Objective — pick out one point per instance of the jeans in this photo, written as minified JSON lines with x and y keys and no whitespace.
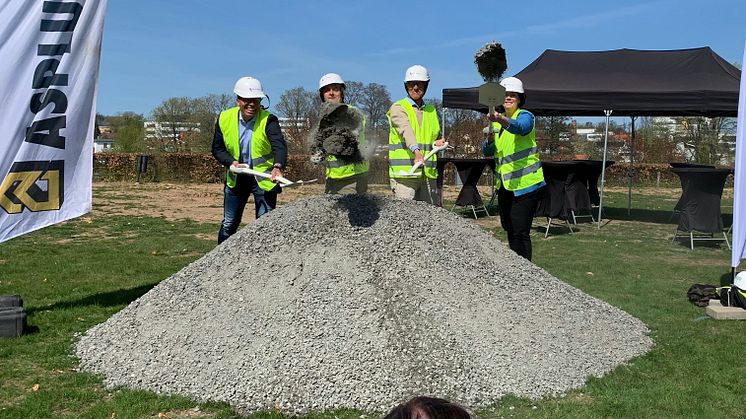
{"x":516,"y":216}
{"x":234,"y":202}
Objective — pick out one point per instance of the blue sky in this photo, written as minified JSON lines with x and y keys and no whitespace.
{"x":156,"y":49}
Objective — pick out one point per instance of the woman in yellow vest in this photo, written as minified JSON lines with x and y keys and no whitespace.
{"x":248,"y":134}
{"x":413,"y":130}
{"x":520,"y":179}
{"x":343,"y":177}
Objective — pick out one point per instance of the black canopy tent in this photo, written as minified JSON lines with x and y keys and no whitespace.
{"x":625,"y":82}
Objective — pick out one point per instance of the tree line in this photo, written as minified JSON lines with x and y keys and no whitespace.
{"x":187,"y":125}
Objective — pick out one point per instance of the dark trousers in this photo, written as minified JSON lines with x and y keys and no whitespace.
{"x":516,"y":215}
{"x":234,"y":202}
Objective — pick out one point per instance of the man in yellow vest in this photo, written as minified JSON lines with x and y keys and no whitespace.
{"x":342,"y":177}
{"x":520,"y":178}
{"x":413,"y":130}
{"x":248,"y":135}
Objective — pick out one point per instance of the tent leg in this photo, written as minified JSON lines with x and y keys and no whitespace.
{"x":691,"y":239}
{"x":632,"y":168}
{"x":607,"y":112}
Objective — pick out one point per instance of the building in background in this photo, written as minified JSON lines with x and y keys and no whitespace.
{"x":102,"y":144}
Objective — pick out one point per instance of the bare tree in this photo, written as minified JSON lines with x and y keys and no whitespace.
{"x":354,"y":91}
{"x":463,"y":129}
{"x":206,"y":111}
{"x":174,"y":123}
{"x":556,"y":137}
{"x":375,"y":101}
{"x":703,"y":138}
{"x":656,"y":143}
{"x":300,"y":108}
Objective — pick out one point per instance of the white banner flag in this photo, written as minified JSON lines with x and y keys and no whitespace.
{"x":49,"y":52}
{"x":739,"y":183}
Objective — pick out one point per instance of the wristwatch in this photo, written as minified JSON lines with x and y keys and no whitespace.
{"x":277,"y":166}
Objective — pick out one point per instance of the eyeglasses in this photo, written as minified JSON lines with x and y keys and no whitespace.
{"x":412,"y":84}
{"x":254,"y":100}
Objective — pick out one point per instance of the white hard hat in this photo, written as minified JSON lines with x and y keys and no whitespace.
{"x":512,"y":84}
{"x":416,"y":73}
{"x":248,"y":88}
{"x":740,"y":280}
{"x":330,"y":78}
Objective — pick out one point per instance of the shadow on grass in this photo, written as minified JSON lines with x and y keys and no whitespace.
{"x":652,"y":216}
{"x":642,"y":215}
{"x":104,"y":299}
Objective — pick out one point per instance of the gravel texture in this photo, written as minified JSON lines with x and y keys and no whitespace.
{"x":360,"y":301}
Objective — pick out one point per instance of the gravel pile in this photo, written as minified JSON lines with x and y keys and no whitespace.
{"x":360,"y":302}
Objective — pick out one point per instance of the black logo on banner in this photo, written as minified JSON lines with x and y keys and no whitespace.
{"x":36,"y":185}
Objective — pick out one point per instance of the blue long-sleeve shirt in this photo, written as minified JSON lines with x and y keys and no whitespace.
{"x":521,"y":125}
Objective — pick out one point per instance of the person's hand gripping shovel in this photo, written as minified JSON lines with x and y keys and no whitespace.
{"x":284,"y":182}
{"x":411,"y":172}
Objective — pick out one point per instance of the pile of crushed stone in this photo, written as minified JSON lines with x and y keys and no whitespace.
{"x":359,"y":301}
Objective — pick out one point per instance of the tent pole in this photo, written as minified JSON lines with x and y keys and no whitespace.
{"x":631,"y":168}
{"x":607,"y":112}
{"x":443,"y":120}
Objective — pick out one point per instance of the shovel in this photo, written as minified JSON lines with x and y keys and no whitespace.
{"x":284,"y":182}
{"x":418,"y":164}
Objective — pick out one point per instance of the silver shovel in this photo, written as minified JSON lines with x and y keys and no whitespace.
{"x":284,"y":182}
{"x":417,"y":165}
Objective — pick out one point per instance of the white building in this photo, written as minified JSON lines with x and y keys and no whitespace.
{"x":293,"y":122}
{"x":155,"y":130}
{"x":102,"y":144}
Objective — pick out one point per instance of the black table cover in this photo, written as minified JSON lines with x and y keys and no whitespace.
{"x":702,"y":189}
{"x":567,"y":188}
{"x":469,"y":171}
{"x":590,"y":171}
{"x":676,"y":165}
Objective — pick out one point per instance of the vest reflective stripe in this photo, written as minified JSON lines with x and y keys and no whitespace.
{"x":518,"y":159}
{"x":401,"y":159}
{"x":262,"y":157}
{"x":339,"y":169}
{"x":521,"y":172}
{"x":518,"y":155}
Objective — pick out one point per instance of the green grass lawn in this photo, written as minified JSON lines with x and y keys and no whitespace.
{"x":79,"y":273}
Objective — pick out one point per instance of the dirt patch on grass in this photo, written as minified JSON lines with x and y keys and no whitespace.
{"x":201,"y":202}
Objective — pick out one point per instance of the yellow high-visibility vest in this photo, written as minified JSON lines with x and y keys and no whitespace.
{"x":262,"y":158}
{"x":401,"y":158}
{"x":516,"y":158}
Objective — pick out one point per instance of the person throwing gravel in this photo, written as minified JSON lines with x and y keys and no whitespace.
{"x":520,"y":179}
{"x":413,"y":130}
{"x":248,"y":135}
{"x":343,"y":175}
